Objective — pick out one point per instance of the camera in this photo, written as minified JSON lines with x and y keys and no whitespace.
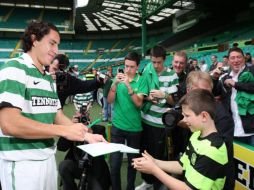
{"x":224,"y":69}
{"x":61,"y":76}
{"x":120,"y":70}
{"x":84,"y":117}
{"x":61,"y":80}
{"x":171,"y":118}
{"x":101,"y":75}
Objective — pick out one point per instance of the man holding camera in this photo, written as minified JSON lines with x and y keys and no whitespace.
{"x":76,"y":162}
{"x":162,"y":83}
{"x":68,"y":84}
{"x":71,"y":85}
{"x":235,"y":88}
{"x":127,"y":94}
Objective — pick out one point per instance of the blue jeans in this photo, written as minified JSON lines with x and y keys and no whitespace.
{"x":133,"y":140}
{"x":107,"y":109}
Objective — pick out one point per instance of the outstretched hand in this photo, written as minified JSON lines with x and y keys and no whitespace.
{"x":145,"y":164}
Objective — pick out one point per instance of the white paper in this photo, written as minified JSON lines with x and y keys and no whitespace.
{"x":101,"y":148}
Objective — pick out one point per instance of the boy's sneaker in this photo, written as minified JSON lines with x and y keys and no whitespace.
{"x":144,"y":186}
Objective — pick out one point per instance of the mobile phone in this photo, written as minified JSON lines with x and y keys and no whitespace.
{"x":120,"y":70}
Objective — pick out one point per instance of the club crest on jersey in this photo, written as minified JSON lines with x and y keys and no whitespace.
{"x":43,"y":101}
{"x":193,"y":158}
{"x":165,"y":84}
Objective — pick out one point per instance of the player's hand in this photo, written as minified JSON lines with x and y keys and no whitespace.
{"x":75,"y":132}
{"x":94,"y":138}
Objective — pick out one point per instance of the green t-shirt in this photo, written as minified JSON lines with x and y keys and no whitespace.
{"x":126,"y":115}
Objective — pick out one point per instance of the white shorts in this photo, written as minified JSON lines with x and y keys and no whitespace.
{"x":28,"y":175}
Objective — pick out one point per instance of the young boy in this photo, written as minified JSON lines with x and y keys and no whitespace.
{"x":205,"y":160}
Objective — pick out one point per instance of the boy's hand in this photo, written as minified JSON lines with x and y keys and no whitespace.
{"x":145,"y":164}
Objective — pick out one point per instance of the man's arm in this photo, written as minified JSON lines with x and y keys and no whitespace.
{"x":82,"y":86}
{"x":62,"y":119}
{"x":136,"y":98}
{"x":13,"y":123}
{"x":112,"y":93}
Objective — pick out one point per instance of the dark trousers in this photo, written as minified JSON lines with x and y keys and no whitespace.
{"x":69,"y":171}
{"x":153,"y":140}
{"x":98,"y":177}
{"x":133,"y":140}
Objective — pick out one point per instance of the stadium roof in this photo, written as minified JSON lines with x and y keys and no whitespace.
{"x":115,"y":15}
{"x":48,"y":4}
{"x":109,"y":15}
{"x":102,"y":17}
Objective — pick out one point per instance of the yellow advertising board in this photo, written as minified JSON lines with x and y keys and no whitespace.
{"x":244,"y":166}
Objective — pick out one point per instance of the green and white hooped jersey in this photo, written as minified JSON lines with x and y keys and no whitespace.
{"x":80,"y":99}
{"x":25,"y":87}
{"x":168,"y":81}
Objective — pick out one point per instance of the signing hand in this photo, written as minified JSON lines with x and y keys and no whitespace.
{"x":94,"y":138}
{"x":75,"y":132}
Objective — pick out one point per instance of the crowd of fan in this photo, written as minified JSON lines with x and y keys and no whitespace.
{"x":216,"y":104}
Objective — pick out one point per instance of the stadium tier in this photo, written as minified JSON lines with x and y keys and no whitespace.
{"x":13,"y":18}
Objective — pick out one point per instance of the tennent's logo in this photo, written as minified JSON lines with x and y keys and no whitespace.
{"x":43,"y":101}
